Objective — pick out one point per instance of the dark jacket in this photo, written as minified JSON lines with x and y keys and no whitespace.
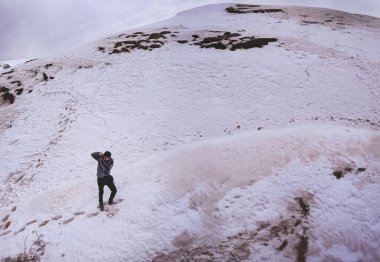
{"x":104,"y":166}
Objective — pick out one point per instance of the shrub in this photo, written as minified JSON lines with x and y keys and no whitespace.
{"x":338,"y":174}
{"x":156,"y":36}
{"x":217,"y":45}
{"x":3,"y":89}
{"x":155,"y":46}
{"x":16,"y":82}
{"x":46,"y":78}
{"x":256,"y":42}
{"x":33,"y":254}
{"x":9,"y":97}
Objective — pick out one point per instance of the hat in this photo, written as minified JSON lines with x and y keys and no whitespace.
{"x":107,"y":154}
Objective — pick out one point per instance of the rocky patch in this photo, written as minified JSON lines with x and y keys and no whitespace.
{"x":215,"y":39}
{"x":232,"y":41}
{"x":342,"y":172}
{"x":139,"y":41}
{"x":246,"y":9}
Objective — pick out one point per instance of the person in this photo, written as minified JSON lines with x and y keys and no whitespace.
{"x":105,"y":164}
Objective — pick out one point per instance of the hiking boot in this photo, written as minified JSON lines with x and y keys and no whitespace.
{"x":110,"y":201}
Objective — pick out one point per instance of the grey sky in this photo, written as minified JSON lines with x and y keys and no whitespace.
{"x":35,"y":28}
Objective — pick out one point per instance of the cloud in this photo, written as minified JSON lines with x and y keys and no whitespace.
{"x":35,"y":28}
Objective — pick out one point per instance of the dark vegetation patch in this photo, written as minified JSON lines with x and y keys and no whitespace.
{"x":339,"y":173}
{"x":304,"y":206}
{"x":283,"y":245}
{"x":302,"y":248}
{"x":246,"y":9}
{"x":7,"y":96}
{"x":3,"y":89}
{"x":331,"y":21}
{"x":360,"y":169}
{"x":231,"y":41}
{"x":19,"y":91}
{"x":253,"y":42}
{"x":353,"y":121}
{"x":16,"y":82}
{"x":9,"y":72}
{"x":305,"y":22}
{"x":215,"y":39}
{"x":30,"y":61}
{"x":44,"y":75}
{"x":139,"y":41}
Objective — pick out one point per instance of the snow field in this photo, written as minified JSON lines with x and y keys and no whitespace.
{"x":215,"y":151}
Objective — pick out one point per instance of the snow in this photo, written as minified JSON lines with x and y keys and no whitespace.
{"x":38,"y":28}
{"x":214,"y":150}
{"x":11,"y":63}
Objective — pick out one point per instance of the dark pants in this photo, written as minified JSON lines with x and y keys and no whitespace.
{"x":106,"y":181}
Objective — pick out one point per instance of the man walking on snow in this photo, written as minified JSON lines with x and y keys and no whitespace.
{"x":105,"y":163}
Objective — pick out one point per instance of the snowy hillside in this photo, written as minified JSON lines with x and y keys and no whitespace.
{"x":239,"y":133}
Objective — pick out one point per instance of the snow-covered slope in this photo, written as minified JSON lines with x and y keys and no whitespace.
{"x":255,"y":154}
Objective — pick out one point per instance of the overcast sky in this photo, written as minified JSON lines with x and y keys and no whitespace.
{"x":36,"y":28}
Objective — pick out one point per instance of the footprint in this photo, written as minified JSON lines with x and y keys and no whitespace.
{"x":111,"y":212}
{"x":7,"y":225}
{"x":78,"y":213}
{"x":14,"y":209}
{"x":68,"y":220}
{"x":93,"y":214}
{"x":56,"y":217}
{"x":31,"y":222}
{"x":20,"y":230}
{"x":6,"y":233}
{"x":43,"y":223}
{"x":5,"y":218}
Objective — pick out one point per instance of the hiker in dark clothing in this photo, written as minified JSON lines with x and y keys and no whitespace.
{"x":105,"y":163}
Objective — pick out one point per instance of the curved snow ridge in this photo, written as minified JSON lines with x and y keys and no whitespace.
{"x":196,"y":193}
{"x":245,"y":158}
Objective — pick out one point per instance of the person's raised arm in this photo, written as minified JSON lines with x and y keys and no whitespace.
{"x":96,"y":155}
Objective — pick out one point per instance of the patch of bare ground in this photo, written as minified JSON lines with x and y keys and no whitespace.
{"x":340,"y":173}
{"x":231,"y":41}
{"x":247,"y":9}
{"x":213,"y":39}
{"x":138,"y":41}
{"x":287,"y":234}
